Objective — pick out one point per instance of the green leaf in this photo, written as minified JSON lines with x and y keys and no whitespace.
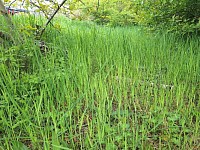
{"x":55,"y":141}
{"x":71,"y":7}
{"x":110,"y":146}
{"x":19,"y":145}
{"x":176,"y":141}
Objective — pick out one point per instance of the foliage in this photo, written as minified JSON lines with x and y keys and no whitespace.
{"x":113,"y":13}
{"x":18,"y":51}
{"x":181,"y":16}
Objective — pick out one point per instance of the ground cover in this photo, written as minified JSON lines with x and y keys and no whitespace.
{"x":99,"y":88}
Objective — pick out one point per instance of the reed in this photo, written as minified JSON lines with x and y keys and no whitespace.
{"x":101,"y":88}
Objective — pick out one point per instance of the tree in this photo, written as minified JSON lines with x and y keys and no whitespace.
{"x":2,"y":8}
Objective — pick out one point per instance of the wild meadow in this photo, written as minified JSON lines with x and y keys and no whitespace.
{"x":98,"y":87}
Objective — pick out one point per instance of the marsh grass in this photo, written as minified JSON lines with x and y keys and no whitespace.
{"x":100,"y":88}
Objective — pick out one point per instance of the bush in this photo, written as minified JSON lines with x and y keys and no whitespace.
{"x":175,"y":16}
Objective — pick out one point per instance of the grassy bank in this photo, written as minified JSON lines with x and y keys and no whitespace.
{"x":100,"y":88}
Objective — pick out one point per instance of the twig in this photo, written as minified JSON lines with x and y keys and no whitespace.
{"x":40,"y":9}
{"x":63,"y":2}
{"x":11,"y":4}
{"x":23,"y":2}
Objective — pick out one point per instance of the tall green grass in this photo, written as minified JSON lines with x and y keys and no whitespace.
{"x":100,"y":88}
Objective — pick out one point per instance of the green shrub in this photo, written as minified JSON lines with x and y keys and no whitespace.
{"x":181,"y":16}
{"x":175,"y":16}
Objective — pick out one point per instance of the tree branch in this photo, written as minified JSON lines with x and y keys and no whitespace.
{"x":59,"y":6}
{"x":11,"y":3}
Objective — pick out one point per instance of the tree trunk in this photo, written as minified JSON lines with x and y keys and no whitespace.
{"x":9,"y":23}
{"x":2,"y":8}
{"x":4,"y":12}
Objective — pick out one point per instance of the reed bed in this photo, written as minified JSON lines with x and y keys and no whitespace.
{"x":100,"y":88}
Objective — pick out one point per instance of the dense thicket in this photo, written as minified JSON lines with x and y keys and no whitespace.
{"x":182,"y":16}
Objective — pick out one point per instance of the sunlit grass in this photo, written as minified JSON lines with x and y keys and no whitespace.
{"x":100,"y":88}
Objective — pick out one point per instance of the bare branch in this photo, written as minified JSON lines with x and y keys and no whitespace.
{"x":63,"y":2}
{"x":40,"y":9}
{"x":11,"y":3}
